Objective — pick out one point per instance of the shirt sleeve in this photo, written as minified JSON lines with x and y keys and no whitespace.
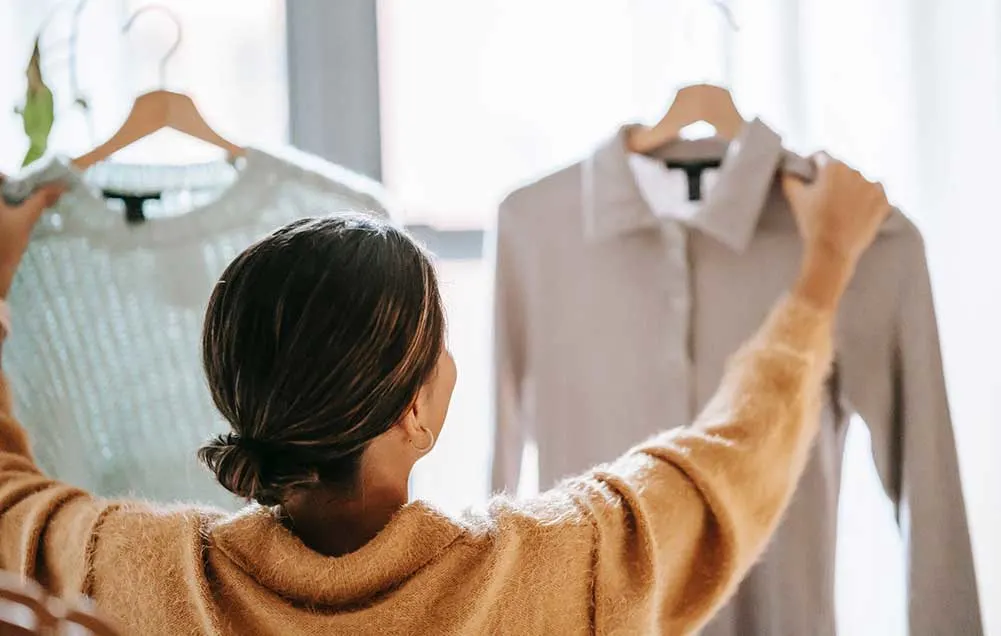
{"x":930,"y":507}
{"x":509,"y":352}
{"x":681,"y":518}
{"x":45,"y":526}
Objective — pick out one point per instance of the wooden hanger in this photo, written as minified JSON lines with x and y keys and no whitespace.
{"x":698,"y":102}
{"x":713,"y":105}
{"x":157,"y":110}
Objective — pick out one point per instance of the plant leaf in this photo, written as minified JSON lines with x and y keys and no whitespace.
{"x":38,"y":114}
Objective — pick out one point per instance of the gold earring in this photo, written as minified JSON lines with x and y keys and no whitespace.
{"x":424,"y":449}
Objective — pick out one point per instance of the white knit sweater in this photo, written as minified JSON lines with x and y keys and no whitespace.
{"x":107,"y":370}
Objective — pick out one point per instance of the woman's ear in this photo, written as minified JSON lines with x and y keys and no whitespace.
{"x":411,"y":420}
{"x":415,"y":428}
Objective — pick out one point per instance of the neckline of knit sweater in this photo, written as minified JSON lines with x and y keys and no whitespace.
{"x":265,"y":549}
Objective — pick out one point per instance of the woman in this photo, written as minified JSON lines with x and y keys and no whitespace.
{"x":324,"y":348}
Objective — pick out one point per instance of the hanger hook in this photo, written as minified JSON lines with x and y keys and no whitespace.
{"x":56,"y":10}
{"x":71,"y":43}
{"x":724,"y":9}
{"x":179,"y":34}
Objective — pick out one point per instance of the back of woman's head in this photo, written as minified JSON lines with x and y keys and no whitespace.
{"x":317,"y":340}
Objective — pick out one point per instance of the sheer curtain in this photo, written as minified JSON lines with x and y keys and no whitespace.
{"x":907,"y":90}
{"x":910,"y":91}
{"x":478,"y":96}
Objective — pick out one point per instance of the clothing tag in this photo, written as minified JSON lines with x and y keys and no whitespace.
{"x":693,"y":171}
{"x":666,"y":191}
{"x":133,"y":203}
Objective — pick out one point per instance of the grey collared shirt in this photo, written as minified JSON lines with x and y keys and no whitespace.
{"x":612,"y":323}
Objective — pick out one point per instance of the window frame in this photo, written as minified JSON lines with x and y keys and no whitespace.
{"x":334,"y":108}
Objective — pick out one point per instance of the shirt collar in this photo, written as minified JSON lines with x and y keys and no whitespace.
{"x":613,"y":204}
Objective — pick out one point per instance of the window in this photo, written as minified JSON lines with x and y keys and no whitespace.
{"x":231,"y":59}
{"x":457,"y":474}
{"x":515,"y":88}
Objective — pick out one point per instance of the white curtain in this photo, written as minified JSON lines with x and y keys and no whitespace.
{"x":907,"y":90}
{"x":910,"y":91}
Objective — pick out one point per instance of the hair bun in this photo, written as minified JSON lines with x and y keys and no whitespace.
{"x":238,"y":464}
{"x":261,"y":471}
{"x":252,"y":447}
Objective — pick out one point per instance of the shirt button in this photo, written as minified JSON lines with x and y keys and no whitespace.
{"x":677,"y":257}
{"x":679,"y":361}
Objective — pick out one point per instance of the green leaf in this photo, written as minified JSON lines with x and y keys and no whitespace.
{"x":38,"y":113}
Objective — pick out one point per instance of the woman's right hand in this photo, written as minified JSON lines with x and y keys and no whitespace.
{"x":838,"y":216}
{"x":16,"y":223}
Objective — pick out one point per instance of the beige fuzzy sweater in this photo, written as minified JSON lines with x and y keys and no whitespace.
{"x":652,"y":543}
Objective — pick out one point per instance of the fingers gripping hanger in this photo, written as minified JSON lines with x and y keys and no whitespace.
{"x":159,"y":109}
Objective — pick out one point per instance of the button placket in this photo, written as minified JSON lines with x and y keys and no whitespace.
{"x":677,"y":333}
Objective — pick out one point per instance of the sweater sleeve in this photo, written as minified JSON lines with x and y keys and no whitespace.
{"x":681,"y":518}
{"x":45,"y":526}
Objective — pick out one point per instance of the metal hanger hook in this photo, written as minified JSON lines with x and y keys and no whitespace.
{"x":724,"y":8}
{"x":179,"y":34}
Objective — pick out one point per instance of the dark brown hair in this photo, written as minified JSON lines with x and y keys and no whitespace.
{"x":317,"y":339}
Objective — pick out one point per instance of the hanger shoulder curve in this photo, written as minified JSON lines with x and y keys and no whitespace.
{"x":698,"y":102}
{"x":183,"y":115}
{"x":155,"y":111}
{"x":148,"y":115}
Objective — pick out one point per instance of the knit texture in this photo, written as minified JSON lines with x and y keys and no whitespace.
{"x":108,"y":375}
{"x":651,"y":543}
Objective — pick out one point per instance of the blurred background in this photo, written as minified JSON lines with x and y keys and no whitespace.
{"x":453,"y":103}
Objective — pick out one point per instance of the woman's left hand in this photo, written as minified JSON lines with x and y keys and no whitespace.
{"x":16,"y":223}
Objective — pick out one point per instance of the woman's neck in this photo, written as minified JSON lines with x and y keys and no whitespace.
{"x":336,"y":528}
{"x":333,"y":522}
